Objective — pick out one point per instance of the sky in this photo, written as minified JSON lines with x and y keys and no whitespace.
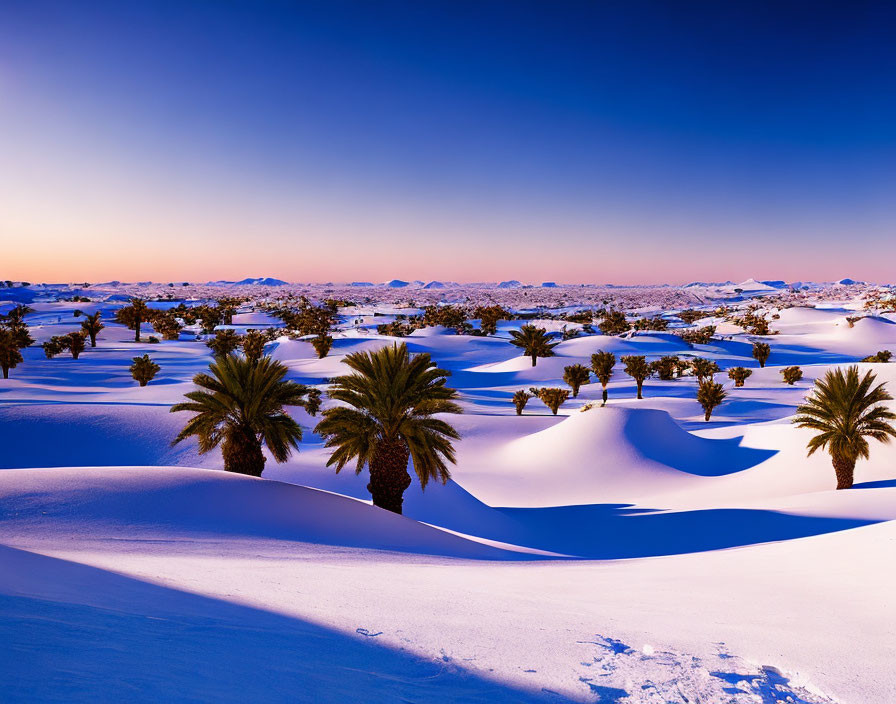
{"x":621,"y":142}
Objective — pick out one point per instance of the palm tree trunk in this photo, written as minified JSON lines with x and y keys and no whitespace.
{"x":137,"y":330}
{"x":389,"y":474}
{"x":242,"y":453}
{"x":604,"y":396}
{"x":534,"y":358}
{"x":845,"y":470}
{"x":707,"y":414}
{"x":640,"y":384}
{"x":5,"y":372}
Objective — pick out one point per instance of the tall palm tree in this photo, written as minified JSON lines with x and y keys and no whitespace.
{"x":602,"y":364}
{"x":576,"y":375}
{"x":845,"y":410}
{"x":392,"y":399}
{"x":133,"y":316}
{"x":91,"y":326}
{"x":241,"y":404}
{"x":534,"y":342}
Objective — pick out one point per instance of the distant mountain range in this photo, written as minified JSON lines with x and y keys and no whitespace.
{"x":259,"y":281}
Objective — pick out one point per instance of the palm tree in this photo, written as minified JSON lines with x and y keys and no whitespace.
{"x":10,"y":354}
{"x":223,"y":343}
{"x":709,"y":395}
{"x":761,"y":352}
{"x":553,"y":398}
{"x":845,"y":410}
{"x":637,"y":368}
{"x":241,"y":404}
{"x":53,"y":346}
{"x":91,"y":326}
{"x":392,"y":401}
{"x":144,"y":369}
{"x":602,"y":364}
{"x":133,"y":316}
{"x":704,"y":368}
{"x":520,"y":399}
{"x":576,"y":375}
{"x":739,"y":375}
{"x":313,"y":401}
{"x":792,"y":375}
{"x":534,"y":342}
{"x":75,"y":342}
{"x":322,"y":344}
{"x":665,"y":367}
{"x":166,"y":325}
{"x":253,"y":344}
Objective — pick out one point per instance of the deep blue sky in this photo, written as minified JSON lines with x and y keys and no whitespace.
{"x":616,"y":141}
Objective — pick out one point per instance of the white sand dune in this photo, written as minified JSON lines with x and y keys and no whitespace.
{"x":633,"y":553}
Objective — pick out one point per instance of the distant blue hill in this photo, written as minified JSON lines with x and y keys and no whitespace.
{"x":265,"y":281}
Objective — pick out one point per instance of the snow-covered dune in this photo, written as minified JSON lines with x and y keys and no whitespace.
{"x":101,"y":503}
{"x":605,"y":455}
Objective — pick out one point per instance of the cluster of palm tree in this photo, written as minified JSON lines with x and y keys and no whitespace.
{"x":387,"y":417}
{"x":73,"y":342}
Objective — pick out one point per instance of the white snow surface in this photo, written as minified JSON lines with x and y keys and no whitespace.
{"x":630,"y":554}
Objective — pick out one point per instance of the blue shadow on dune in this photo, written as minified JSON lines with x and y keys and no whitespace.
{"x":618,"y":531}
{"x":613,"y":531}
{"x":141,"y":642}
{"x":880,"y":484}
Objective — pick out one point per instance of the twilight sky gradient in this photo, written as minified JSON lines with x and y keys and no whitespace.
{"x":315,"y":141}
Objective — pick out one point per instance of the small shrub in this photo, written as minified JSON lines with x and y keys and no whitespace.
{"x":739,"y":375}
{"x":881,"y":357}
{"x":792,"y":375}
{"x":761,"y":352}
{"x":520,"y":399}
{"x":700,"y":336}
{"x":709,"y":395}
{"x":144,"y":369}
{"x":553,"y":398}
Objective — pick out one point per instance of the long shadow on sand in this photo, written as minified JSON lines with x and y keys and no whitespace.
{"x":614,"y":531}
{"x":107,"y":637}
